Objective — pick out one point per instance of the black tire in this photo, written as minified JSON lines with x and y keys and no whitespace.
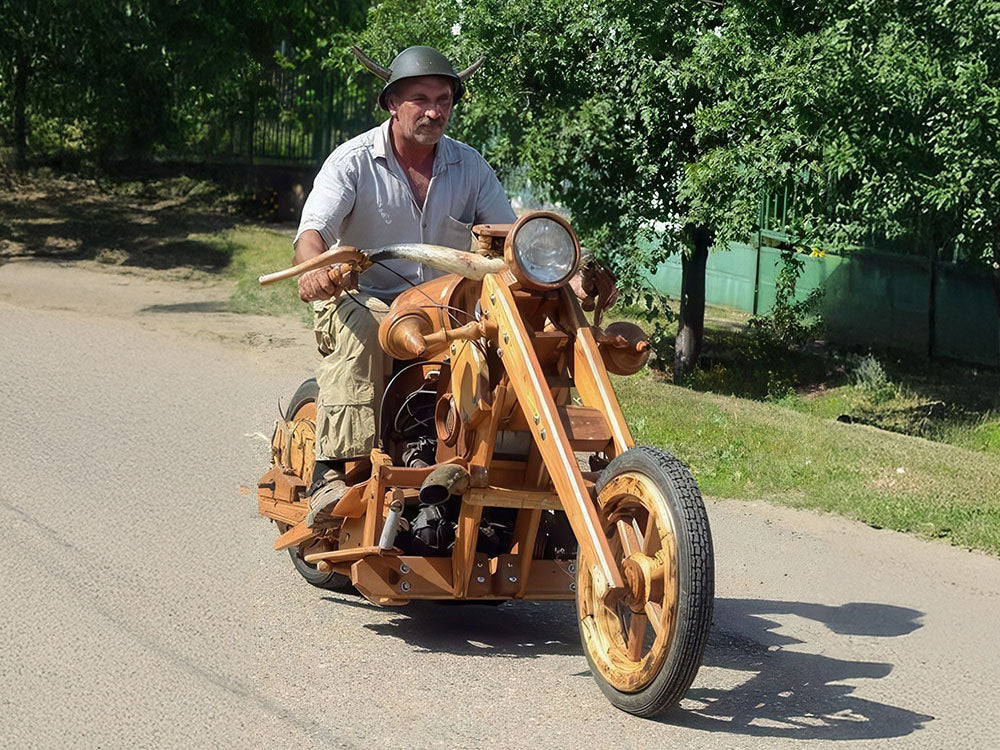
{"x":307,"y":393}
{"x":330,"y":581}
{"x":695,"y":588}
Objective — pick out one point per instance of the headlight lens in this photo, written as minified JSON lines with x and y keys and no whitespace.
{"x":545,"y":250}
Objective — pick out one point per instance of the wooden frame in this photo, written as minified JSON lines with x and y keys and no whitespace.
{"x":532,"y":396}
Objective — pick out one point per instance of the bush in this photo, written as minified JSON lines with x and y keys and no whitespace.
{"x":790,"y":323}
{"x":871,"y":378}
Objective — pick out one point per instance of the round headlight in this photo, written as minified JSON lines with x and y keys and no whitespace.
{"x":544,"y":250}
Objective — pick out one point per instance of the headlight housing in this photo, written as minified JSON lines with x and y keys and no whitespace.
{"x":542,"y":251}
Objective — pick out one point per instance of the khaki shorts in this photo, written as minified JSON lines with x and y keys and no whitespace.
{"x":351,"y":376}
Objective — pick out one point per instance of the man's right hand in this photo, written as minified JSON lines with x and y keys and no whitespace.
{"x":327,"y":283}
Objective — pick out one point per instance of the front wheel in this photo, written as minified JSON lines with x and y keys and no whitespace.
{"x":645,"y":643}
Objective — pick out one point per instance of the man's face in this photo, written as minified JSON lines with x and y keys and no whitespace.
{"x":421,"y":107}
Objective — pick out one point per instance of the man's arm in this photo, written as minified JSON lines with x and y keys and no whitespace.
{"x":329,"y":203}
{"x":309,"y":244}
{"x":322,"y":283}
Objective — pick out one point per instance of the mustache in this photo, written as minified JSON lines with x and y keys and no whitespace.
{"x":426,"y":121}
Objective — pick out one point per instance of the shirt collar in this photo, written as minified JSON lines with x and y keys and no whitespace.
{"x":381,"y":144}
{"x":447,"y":153}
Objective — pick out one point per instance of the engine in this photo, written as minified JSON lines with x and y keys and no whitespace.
{"x":420,"y":415}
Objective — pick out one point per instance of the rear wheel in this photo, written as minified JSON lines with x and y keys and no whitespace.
{"x":645,"y":643}
{"x":330,"y":581}
{"x":302,"y":409}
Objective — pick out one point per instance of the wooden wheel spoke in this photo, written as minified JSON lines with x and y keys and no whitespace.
{"x":636,"y":635}
{"x":650,"y":536}
{"x":655,"y":612}
{"x":611,"y":613}
{"x":629,"y":538}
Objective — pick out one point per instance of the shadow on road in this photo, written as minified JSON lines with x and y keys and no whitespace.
{"x":793,"y":694}
{"x":790,"y":694}
{"x":525,"y":630}
{"x":189,"y":307}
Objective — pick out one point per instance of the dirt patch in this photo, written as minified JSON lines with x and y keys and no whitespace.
{"x":153,"y":299}
{"x":144,"y":226}
{"x":118,"y":249}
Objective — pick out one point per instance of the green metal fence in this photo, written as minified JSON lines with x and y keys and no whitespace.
{"x":290,"y":119}
{"x":869,"y":298}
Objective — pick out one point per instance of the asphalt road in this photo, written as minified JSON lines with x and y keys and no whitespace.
{"x":142,"y":605}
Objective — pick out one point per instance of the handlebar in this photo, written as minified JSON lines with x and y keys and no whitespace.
{"x":447,"y":259}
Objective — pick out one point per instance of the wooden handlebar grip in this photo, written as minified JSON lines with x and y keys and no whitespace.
{"x":331,"y":256}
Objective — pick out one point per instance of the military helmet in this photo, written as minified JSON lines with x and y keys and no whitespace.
{"x":413,"y":62}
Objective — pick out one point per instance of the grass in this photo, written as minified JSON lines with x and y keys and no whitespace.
{"x":251,"y":251}
{"x":943,"y":401}
{"x":739,"y":448}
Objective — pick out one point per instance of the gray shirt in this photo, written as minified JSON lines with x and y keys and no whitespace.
{"x":362,"y":198}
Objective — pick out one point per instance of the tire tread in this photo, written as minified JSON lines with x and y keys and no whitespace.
{"x":695,"y":617}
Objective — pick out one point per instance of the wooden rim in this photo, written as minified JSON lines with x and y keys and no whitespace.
{"x":629,"y":635}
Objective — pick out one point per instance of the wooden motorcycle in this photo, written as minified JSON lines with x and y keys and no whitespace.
{"x":475,"y":492}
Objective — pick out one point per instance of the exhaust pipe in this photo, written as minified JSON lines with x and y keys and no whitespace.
{"x":391,"y":526}
{"x":446,"y":480}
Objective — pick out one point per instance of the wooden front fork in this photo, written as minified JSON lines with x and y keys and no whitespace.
{"x":590,"y":376}
{"x":528,"y":382}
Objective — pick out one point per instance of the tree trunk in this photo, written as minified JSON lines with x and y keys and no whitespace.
{"x":691,"y":323}
{"x":21,"y":66}
{"x":932,"y":256}
{"x":995,"y":276}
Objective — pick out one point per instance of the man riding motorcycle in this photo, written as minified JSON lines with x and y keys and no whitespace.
{"x":404,"y":181}
{"x":401,"y":182}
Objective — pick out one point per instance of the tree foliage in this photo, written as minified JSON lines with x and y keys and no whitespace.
{"x":884,"y":117}
{"x":138,"y":77}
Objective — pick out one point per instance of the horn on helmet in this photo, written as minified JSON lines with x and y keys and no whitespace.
{"x":463,"y":76}
{"x":380,"y":70}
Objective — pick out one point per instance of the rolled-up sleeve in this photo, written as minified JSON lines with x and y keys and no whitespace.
{"x":492,"y":206}
{"x":331,"y":199}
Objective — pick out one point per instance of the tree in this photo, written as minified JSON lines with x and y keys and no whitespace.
{"x":608,"y":127}
{"x":136,"y":77}
{"x":38,"y":41}
{"x":883,"y":116}
{"x":586,"y":99}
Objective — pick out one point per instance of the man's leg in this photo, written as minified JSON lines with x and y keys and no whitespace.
{"x":351,"y":378}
